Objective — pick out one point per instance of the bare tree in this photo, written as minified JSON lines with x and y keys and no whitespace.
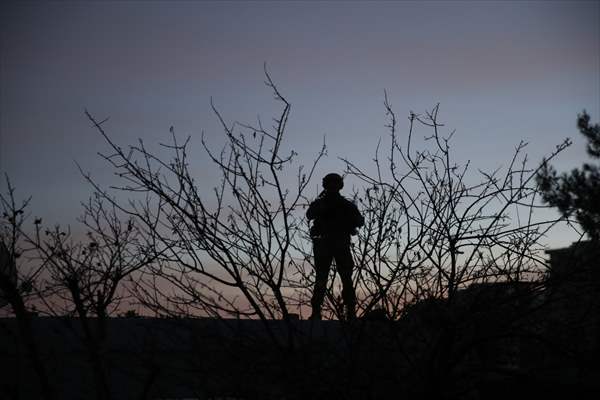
{"x":88,"y":278}
{"x":227,"y":255}
{"x":433,"y":227}
{"x":443,"y":244}
{"x":17,"y":280}
{"x":87,"y":275}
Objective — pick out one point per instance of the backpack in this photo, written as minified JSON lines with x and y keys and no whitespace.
{"x":336,"y":217}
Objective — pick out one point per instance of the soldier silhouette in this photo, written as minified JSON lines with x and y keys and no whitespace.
{"x":335,"y":220}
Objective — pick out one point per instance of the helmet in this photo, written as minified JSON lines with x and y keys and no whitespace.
{"x":333,"y":182}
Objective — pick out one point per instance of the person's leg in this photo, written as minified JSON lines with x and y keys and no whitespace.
{"x":323,"y":256}
{"x":345,"y":264}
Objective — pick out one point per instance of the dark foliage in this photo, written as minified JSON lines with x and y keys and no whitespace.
{"x":577,"y":193}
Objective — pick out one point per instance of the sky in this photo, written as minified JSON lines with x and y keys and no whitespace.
{"x":502,"y":72}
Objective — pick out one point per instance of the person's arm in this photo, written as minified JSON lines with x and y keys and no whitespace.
{"x":359,"y":220}
{"x":313,"y":210}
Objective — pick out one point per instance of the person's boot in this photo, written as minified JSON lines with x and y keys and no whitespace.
{"x":315,"y":316}
{"x":349,"y":304}
{"x":350,"y":313}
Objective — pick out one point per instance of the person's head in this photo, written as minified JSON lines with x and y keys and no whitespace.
{"x":333,"y":183}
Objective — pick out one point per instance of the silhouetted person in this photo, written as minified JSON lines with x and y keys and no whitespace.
{"x":335,"y":219}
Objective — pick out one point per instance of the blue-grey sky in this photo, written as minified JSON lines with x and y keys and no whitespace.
{"x":503,"y":72}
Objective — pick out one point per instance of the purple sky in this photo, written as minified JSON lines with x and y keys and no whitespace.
{"x":502,"y":71}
